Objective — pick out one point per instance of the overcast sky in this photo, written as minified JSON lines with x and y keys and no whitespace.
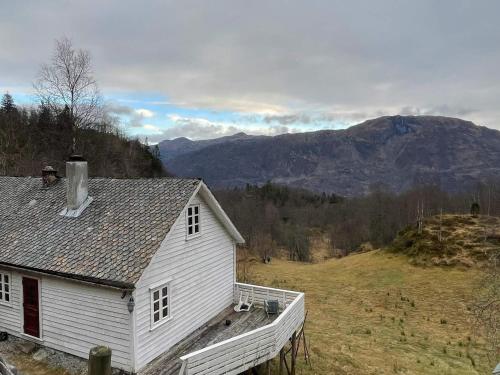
{"x":211,"y":68}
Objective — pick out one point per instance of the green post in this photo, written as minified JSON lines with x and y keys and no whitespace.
{"x":100,"y":361}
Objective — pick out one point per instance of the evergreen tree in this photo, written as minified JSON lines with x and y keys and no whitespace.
{"x":8,"y":105}
{"x":45,"y":118}
{"x":64,"y":119}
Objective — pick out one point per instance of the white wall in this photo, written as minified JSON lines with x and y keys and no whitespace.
{"x":10,"y":315}
{"x":202,"y":274}
{"x":75,"y":317}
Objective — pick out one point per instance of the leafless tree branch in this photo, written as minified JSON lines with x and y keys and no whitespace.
{"x":486,"y":308}
{"x":68,"y":81}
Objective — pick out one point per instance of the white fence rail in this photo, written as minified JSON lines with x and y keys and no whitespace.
{"x":6,"y":369}
{"x":250,"y":349}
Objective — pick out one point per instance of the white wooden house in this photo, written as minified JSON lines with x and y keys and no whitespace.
{"x":139,"y":265}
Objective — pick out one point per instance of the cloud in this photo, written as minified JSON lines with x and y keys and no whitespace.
{"x":265,"y":59}
{"x":146,"y":113}
{"x":440,"y":110}
{"x":124,"y":115}
{"x":152,"y":128}
{"x":200,"y":128}
{"x":288,"y":119}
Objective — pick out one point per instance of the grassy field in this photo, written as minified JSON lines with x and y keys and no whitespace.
{"x":375,"y":313}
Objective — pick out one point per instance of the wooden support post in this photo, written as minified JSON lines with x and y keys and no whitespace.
{"x":294,"y":353}
{"x":100,"y":361}
{"x":282,"y":361}
{"x":268,"y":367}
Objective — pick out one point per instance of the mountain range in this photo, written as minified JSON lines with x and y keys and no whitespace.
{"x":398,"y":151}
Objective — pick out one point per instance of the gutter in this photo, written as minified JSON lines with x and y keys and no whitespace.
{"x":120,"y":285}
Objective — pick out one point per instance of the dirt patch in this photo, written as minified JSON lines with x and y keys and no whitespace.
{"x":33,"y":359}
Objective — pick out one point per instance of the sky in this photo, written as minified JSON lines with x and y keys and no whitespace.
{"x":204,"y":69}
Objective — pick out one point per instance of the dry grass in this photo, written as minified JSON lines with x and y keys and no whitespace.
{"x":25,"y":364}
{"x":375,"y":313}
{"x":451,"y":240}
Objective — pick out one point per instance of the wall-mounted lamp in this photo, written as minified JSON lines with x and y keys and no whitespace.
{"x":131,"y":304}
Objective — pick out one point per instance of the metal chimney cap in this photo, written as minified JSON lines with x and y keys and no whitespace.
{"x":76,"y":158}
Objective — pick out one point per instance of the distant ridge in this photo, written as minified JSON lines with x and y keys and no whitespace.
{"x":398,"y":151}
{"x":170,"y":149}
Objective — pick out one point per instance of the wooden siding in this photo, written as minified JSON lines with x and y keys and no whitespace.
{"x":75,"y":317}
{"x":201,"y":275}
{"x":10,"y":314}
{"x":250,"y":349}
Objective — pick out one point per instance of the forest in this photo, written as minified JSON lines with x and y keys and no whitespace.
{"x":31,"y":139}
{"x":273,"y":217}
{"x":69,"y":117}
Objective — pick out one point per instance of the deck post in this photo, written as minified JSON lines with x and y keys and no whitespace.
{"x":99,"y":361}
{"x":294,"y":352}
{"x":282,"y":362}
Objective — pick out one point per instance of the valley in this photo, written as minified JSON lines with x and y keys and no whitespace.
{"x":376,"y":313}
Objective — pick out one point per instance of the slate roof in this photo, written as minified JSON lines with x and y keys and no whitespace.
{"x":112,"y":241}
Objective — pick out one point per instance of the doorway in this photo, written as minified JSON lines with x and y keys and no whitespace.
{"x":31,"y":308}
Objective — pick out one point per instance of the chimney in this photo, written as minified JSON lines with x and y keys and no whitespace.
{"x":49,"y":176}
{"x":77,"y":197}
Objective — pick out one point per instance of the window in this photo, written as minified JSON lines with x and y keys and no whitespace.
{"x":160,"y":304}
{"x":193,"y":220}
{"x":4,"y":287}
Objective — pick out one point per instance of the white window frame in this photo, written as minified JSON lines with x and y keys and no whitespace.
{"x":193,"y":224}
{"x":159,"y":288}
{"x":4,"y":275}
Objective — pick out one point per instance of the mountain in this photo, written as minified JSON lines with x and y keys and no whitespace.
{"x":170,"y":149}
{"x":398,"y":151}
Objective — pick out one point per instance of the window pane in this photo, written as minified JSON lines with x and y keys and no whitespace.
{"x":196,"y":210}
{"x":190,"y":220}
{"x":165,"y":312}
{"x":165,"y":302}
{"x":6,"y":298}
{"x":196,"y":219}
{"x":190,"y":211}
{"x":156,"y":295}
{"x":156,"y":306}
{"x":1,"y":296}
{"x":156,"y":316}
{"x":196,"y":228}
{"x":164,"y":291}
{"x":190,"y":230}
{"x":6,"y":288}
{"x":6,"y":279}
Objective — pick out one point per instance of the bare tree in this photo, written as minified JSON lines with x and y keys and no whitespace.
{"x":486,"y":308}
{"x":68,"y":82}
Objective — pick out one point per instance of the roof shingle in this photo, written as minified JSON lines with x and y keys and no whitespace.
{"x":111,"y":242}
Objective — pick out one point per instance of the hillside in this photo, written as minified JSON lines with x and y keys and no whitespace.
{"x":450,"y":240}
{"x":31,"y":140}
{"x":375,"y":313}
{"x":170,"y":149}
{"x":399,"y":151}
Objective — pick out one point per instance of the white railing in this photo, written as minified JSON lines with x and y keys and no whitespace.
{"x":250,"y":349}
{"x":6,"y":369}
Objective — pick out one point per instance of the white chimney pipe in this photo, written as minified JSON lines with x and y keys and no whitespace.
{"x":77,"y":186}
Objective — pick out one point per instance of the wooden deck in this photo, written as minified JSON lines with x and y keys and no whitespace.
{"x":213,"y":332}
